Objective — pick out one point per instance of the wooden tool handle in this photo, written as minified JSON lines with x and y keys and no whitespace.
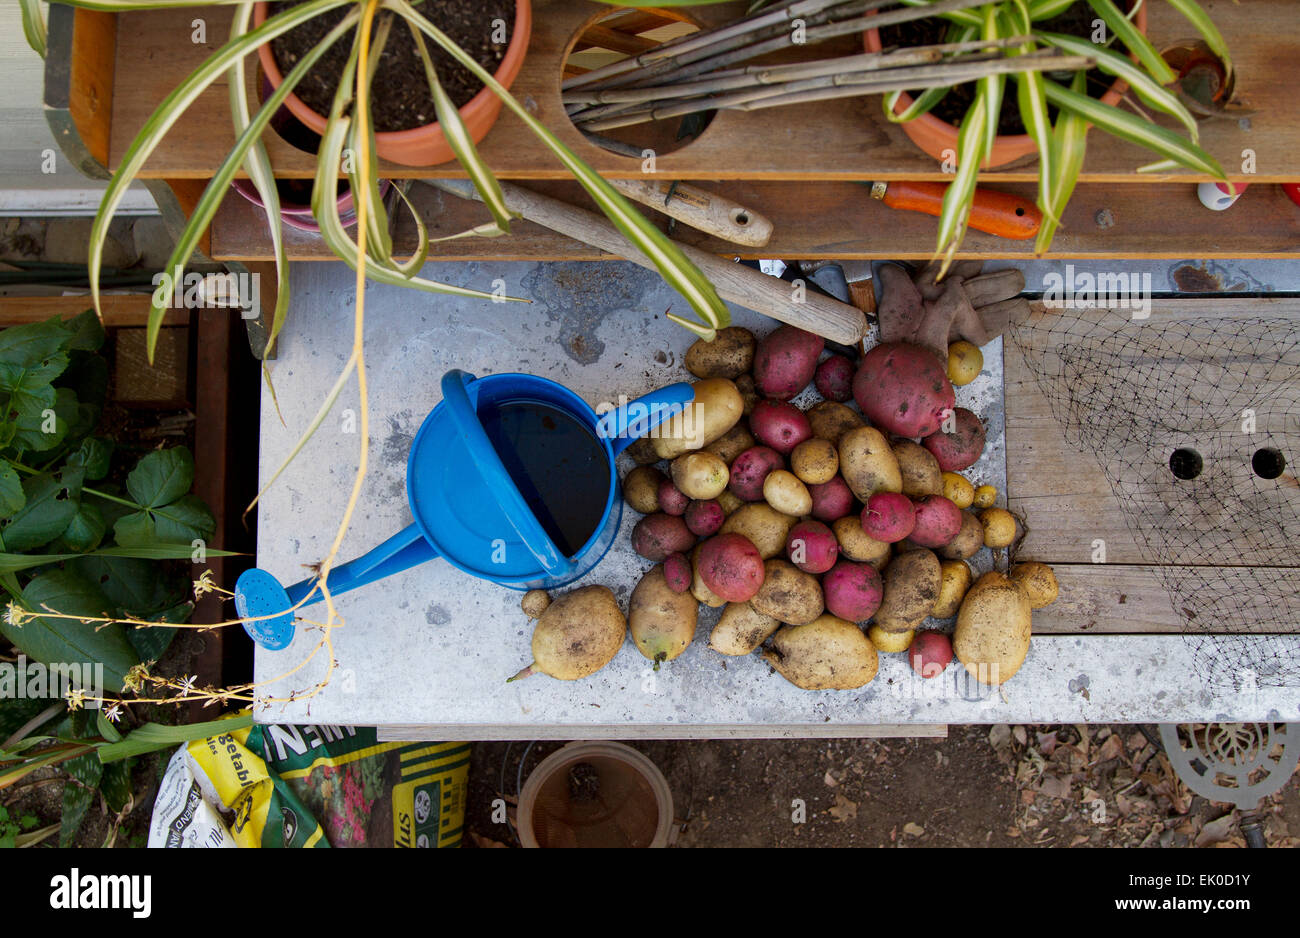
{"x":700,"y":209}
{"x":994,"y":212}
{"x":735,"y":283}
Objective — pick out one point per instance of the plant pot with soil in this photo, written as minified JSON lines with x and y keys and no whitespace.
{"x":1053,"y":106}
{"x":404,"y":132}
{"x":935,"y":131}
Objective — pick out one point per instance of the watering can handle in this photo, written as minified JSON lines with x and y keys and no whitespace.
{"x":625,"y":424}
{"x":455,"y":394}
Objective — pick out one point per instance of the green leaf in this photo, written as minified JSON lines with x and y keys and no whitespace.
{"x":52,"y":500}
{"x":1135,"y":129}
{"x":94,"y":455}
{"x":1133,"y":40}
{"x":31,"y":343}
{"x":179,"y":522}
{"x":69,"y":641}
{"x":86,"y":529}
{"x":116,"y":785}
{"x":12,"y":497}
{"x":154,"y":736}
{"x":33,"y":26}
{"x":1069,"y":144}
{"x":991,"y":86}
{"x":1112,"y":63}
{"x":133,"y":585}
{"x":78,"y":794}
{"x":106,"y":729}
{"x":27,"y":378}
{"x":13,"y":563}
{"x":1046,"y":9}
{"x":87,"y":378}
{"x":86,"y":332}
{"x":161,"y":477}
{"x":957,"y":198}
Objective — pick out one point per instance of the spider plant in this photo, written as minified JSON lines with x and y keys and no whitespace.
{"x":338,"y":141}
{"x":1061,"y":146}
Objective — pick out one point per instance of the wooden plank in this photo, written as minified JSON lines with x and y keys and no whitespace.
{"x":125,"y":309}
{"x":843,"y":139}
{"x":836,"y":220}
{"x":1124,"y":599}
{"x":1062,"y":492}
{"x":416,"y":732}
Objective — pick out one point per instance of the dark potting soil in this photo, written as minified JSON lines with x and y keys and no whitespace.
{"x":1076,"y":21}
{"x":401,"y":98}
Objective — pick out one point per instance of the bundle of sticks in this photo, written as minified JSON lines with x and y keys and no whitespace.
{"x":701,"y":71}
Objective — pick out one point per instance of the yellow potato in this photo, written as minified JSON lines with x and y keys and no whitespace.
{"x":534,"y":603}
{"x":815,"y":461}
{"x":741,"y":629}
{"x":993,"y":630}
{"x":641,"y":489}
{"x":868,"y":464}
{"x":784,"y":492}
{"x":729,"y":355}
{"x":729,"y":501}
{"x":830,"y":420}
{"x":732,"y":443}
{"x":715,"y":410}
{"x":985,"y":497}
{"x":828,"y":653}
{"x":857,"y":544}
{"x":700,"y":475}
{"x":919,"y":468}
{"x":764,"y":526}
{"x":965,"y":362}
{"x":958,"y":490}
{"x":578,"y":634}
{"x":954,"y":581}
{"x":890,"y":642}
{"x":788,"y":594}
{"x":999,"y":527}
{"x":662,"y":622}
{"x":1037,"y":581}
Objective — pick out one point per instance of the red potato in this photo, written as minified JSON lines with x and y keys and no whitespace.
{"x":780,"y":425}
{"x":672,"y":500}
{"x":938,"y":521}
{"x":731,"y":567}
{"x":904,"y":389}
{"x":812,"y":547}
{"x":831,"y":500}
{"x":704,"y":517}
{"x":961,"y":448}
{"x":930,"y":653}
{"x":785,"y":362}
{"x":658,"y":535}
{"x":834,"y":379}
{"x":677,"y":572}
{"x":889,"y":517}
{"x":853,"y":590}
{"x":750,"y":470}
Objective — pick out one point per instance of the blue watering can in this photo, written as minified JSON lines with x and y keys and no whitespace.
{"x":476,"y":478}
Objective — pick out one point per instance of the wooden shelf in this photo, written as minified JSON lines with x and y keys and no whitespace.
{"x":837,"y":220}
{"x":845,"y":139}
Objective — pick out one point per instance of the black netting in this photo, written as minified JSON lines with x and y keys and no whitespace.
{"x":1167,"y":408}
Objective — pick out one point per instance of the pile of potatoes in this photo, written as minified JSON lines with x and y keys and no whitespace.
{"x":806,"y":526}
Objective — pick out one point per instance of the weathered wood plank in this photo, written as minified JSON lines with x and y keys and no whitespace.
{"x":119,"y":309}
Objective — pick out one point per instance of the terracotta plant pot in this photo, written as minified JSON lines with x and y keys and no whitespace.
{"x":934,"y":136}
{"x":421,"y":146}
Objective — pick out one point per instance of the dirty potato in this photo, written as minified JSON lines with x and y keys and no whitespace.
{"x":868,"y":464}
{"x":1038,"y":582}
{"x":857,"y":544}
{"x":919,"y":469}
{"x":815,"y":461}
{"x":784,"y":492}
{"x":999,"y":527}
{"x":661,"y":620}
{"x":912,"y":582}
{"x":993,"y":630}
{"x":641,"y":489}
{"x":716,"y":408}
{"x":578,"y":634}
{"x":830,"y":421}
{"x":788,"y":594}
{"x":766,"y":528}
{"x":732,"y":443}
{"x":701,"y":476}
{"x":729,"y":355}
{"x":968,"y":541}
{"x":741,"y":629}
{"x":954,"y":581}
{"x":825,"y":654}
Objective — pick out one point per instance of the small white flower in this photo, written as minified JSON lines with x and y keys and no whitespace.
{"x":187,"y":685}
{"x":113,"y":713}
{"x":16,"y":615}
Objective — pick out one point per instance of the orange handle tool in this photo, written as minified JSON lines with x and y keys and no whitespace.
{"x":994,"y":212}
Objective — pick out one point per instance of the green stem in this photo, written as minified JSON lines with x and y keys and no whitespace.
{"x":86,"y":489}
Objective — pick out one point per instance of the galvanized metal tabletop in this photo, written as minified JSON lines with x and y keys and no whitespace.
{"x":425,"y":653}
